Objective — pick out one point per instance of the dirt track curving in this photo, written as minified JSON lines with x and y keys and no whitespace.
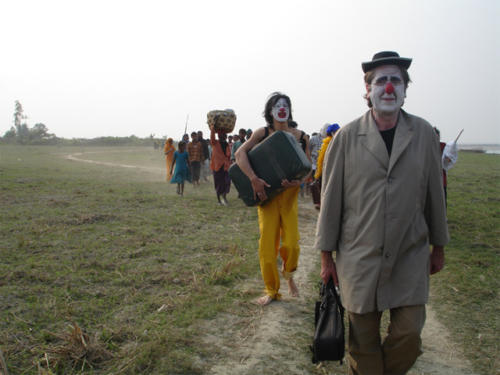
{"x":78,"y":157}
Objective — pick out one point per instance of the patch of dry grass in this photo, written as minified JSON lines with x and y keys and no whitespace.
{"x":74,"y":349}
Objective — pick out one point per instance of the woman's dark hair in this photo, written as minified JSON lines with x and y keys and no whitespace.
{"x":271,"y":101}
{"x":292,"y":124}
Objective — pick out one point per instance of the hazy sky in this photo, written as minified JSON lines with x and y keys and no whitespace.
{"x":117,"y":68}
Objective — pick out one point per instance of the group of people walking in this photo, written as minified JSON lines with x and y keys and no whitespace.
{"x":381,"y":228}
{"x":195,"y":160}
{"x":378,"y":185}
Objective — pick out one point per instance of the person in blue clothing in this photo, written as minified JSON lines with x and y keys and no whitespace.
{"x":181,"y":173}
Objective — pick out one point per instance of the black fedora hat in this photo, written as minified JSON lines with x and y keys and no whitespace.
{"x":386,"y":58}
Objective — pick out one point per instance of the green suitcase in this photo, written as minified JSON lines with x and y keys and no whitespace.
{"x":276,"y":158}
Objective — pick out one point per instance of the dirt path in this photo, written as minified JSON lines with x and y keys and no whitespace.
{"x":78,"y":157}
{"x":275,"y":339}
{"x":270,"y":346}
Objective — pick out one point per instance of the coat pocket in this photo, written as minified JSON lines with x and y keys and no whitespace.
{"x":419,"y":228}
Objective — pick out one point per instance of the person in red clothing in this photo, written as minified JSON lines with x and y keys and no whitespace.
{"x":219,"y":164}
{"x":195,"y":152}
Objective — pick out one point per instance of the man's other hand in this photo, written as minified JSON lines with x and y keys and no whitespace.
{"x":437,"y":259}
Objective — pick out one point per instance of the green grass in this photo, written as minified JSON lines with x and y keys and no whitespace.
{"x":106,"y":248}
{"x":466,"y":291}
{"x":140,"y":270}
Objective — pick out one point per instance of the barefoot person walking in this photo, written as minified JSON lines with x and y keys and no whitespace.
{"x":181,"y":163}
{"x":278,"y":218}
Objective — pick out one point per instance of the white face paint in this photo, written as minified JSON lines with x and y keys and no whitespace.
{"x":281,"y":111}
{"x":387,"y":90}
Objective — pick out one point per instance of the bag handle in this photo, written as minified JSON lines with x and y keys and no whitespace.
{"x":332,"y":290}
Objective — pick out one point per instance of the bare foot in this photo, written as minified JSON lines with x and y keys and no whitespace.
{"x":264,"y":300}
{"x":292,"y":288}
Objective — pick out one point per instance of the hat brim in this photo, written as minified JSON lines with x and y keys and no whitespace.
{"x":399,"y":61}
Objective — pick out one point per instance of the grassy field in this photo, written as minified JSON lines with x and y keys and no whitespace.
{"x":117,"y":253}
{"x":465,"y":293}
{"x":105,"y":270}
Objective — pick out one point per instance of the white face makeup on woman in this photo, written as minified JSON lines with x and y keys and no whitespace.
{"x":281,"y":111}
{"x":387,"y":90}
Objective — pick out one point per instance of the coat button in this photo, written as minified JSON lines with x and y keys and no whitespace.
{"x":387,"y":255}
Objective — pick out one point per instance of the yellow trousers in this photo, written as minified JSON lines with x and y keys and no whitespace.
{"x":279,"y":234}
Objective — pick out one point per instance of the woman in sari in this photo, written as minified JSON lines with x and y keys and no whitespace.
{"x":169,"y":156}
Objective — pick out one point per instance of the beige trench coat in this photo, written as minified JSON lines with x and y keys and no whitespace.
{"x":379,"y":214}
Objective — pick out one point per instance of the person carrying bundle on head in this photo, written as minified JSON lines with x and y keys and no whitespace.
{"x":221,"y":160}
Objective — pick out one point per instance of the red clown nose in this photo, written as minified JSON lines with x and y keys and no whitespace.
{"x":389,"y":88}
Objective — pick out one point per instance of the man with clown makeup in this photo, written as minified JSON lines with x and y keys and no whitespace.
{"x":382,"y":207}
{"x":278,"y":218}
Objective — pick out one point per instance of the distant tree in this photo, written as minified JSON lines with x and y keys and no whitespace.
{"x":40,"y":132}
{"x":10,"y":135}
{"x":22,"y":134}
{"x":22,"y":131}
{"x":18,"y":114}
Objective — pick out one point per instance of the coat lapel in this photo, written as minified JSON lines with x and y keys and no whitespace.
{"x":370,"y":138}
{"x":402,"y":138}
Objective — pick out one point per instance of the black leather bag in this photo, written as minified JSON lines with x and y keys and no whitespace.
{"x":328,"y":343}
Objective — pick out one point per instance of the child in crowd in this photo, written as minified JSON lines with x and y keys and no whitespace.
{"x":181,"y":173}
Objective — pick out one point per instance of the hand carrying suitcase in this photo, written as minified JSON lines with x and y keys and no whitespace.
{"x":276,"y":158}
{"x":328,"y":342}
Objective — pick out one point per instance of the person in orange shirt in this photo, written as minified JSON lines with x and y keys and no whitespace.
{"x":169,"y":150}
{"x":195,"y":152}
{"x":219,"y":164}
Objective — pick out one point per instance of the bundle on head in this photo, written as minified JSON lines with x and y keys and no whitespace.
{"x":223,"y":121}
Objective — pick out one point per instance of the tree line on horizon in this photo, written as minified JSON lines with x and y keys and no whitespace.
{"x":22,"y":134}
